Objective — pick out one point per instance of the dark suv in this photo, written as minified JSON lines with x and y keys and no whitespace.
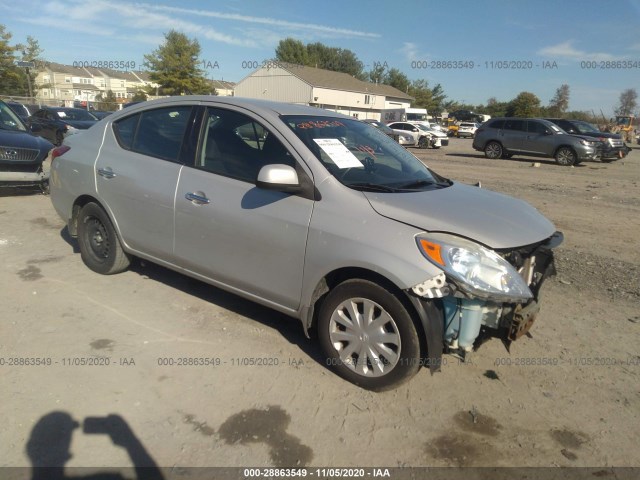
{"x":613,"y":147}
{"x":508,"y":136}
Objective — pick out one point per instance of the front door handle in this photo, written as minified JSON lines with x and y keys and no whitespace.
{"x":198,"y":198}
{"x":106,"y":172}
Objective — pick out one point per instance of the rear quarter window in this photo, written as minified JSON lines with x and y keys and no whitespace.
{"x":499,"y":124}
{"x":125,"y":130}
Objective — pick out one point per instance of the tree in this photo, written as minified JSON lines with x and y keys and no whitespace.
{"x":31,"y":52}
{"x":628,"y":102}
{"x":106,"y":103}
{"x":174,"y":65}
{"x":397,"y":79}
{"x":293,"y":51}
{"x":139,"y":96}
{"x":526,"y":104}
{"x":559,"y":104}
{"x":11,"y":77}
{"x":495,"y":108}
{"x":321,"y":56}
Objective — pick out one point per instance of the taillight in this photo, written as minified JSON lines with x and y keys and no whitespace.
{"x":59,"y":151}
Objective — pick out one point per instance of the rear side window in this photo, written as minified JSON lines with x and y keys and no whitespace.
{"x":125,"y":130}
{"x":515,"y":125}
{"x":157,"y":133}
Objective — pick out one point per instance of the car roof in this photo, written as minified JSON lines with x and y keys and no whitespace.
{"x":257,"y":105}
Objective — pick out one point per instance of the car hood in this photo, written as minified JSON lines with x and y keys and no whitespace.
{"x":493,"y":219}
{"x":81,"y":124}
{"x":12,"y":138}
{"x":600,"y":135}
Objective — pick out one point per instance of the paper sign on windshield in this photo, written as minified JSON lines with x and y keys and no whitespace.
{"x":338,"y":153}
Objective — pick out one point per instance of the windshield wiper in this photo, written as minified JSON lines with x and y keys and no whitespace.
{"x":372,"y":187}
{"x":422,"y":183}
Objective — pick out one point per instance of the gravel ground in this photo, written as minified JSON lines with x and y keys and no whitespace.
{"x":566,"y":396}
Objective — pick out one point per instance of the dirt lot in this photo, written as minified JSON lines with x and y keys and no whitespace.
{"x":567,"y":396}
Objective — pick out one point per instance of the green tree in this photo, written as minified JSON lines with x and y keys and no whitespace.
{"x":495,"y":108}
{"x":397,"y":79}
{"x":320,"y":56}
{"x":559,"y":104}
{"x":174,"y":65}
{"x":11,"y":78}
{"x":293,"y":51}
{"x":526,"y":104}
{"x":140,"y":96}
{"x":628,"y":102}
{"x":107,"y":102}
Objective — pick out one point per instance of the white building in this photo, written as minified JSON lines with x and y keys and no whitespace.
{"x":326,"y":89}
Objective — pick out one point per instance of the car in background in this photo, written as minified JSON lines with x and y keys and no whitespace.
{"x":613,"y":146}
{"x":383,"y":128}
{"x":23,"y":111}
{"x":21,"y":154}
{"x":508,"y":136}
{"x":467,"y":129}
{"x":55,"y":123}
{"x":317,"y":216}
{"x":463,"y":115}
{"x":421,"y":136}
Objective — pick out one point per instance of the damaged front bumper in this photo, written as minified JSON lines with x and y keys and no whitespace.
{"x":455,"y":322}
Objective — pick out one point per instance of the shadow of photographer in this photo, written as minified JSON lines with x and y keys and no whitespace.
{"x":50,"y":440}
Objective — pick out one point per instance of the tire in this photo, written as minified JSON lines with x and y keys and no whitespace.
{"x":493,"y":150}
{"x":386,"y":364}
{"x":100,"y":247}
{"x":423,"y":142}
{"x":59,"y":138}
{"x":566,"y":156}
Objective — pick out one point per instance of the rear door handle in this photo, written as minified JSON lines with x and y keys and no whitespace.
{"x":106,"y":172}
{"x":198,"y":198}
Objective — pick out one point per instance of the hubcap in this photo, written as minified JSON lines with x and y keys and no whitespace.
{"x":365,"y":336}
{"x":565,"y":156}
{"x":493,"y":151}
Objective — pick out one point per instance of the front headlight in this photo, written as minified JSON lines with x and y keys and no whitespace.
{"x":475,"y":269}
{"x":588,"y":143}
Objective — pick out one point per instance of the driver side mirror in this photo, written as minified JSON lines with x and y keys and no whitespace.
{"x":279,"y":177}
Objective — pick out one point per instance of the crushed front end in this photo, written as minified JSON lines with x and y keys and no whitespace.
{"x":482,"y":293}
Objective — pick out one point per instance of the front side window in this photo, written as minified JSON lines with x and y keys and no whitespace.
{"x":234,"y":145}
{"x":362,"y":157}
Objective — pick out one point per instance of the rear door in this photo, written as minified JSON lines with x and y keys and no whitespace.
{"x":513,"y":134}
{"x":232,"y":232}
{"x":137,"y":173}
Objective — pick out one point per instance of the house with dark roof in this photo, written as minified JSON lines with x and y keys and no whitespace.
{"x":321,"y":88}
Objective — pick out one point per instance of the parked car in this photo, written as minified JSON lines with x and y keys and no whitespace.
{"x":467,"y":129}
{"x":613,"y":146}
{"x":23,"y":111}
{"x":21,"y":153}
{"x":463,"y":115}
{"x":505,"y":137}
{"x":324,"y":219}
{"x":383,"y":128}
{"x":422,"y":137}
{"x":55,"y":123}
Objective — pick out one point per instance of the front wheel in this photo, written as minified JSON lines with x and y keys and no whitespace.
{"x":368,"y":335}
{"x":423,"y":142}
{"x":566,"y":156}
{"x":493,"y":150}
{"x":100,"y":247}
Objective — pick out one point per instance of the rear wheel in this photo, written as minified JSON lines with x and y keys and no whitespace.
{"x":493,"y":150}
{"x":566,"y":156}
{"x":368,"y":335}
{"x":100,"y":247}
{"x":59,"y":138}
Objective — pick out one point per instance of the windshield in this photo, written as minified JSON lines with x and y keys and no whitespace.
{"x":362,"y":157}
{"x":75,"y":114}
{"x":417,"y":117}
{"x":9,"y":120}
{"x":585,"y":127}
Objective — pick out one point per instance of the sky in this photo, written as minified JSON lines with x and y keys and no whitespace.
{"x":475,"y":49}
